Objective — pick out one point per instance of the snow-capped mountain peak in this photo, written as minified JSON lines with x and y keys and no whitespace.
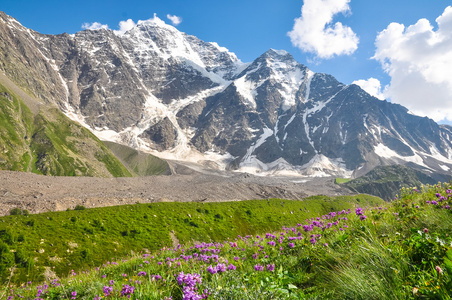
{"x":164,"y":91}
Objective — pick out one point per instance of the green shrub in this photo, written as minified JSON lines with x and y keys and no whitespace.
{"x":15,"y":211}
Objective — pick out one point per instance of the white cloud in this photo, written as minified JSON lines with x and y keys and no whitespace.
{"x":314,"y":31}
{"x":125,"y":26}
{"x":174,"y":19}
{"x":94,"y":26}
{"x":155,"y":21}
{"x":419,"y":61}
{"x":371,"y":86}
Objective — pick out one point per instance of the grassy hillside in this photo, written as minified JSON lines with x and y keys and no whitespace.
{"x":71,"y":240}
{"x":139,"y":163}
{"x":49,"y":143}
{"x":16,"y":123}
{"x":398,"y":250}
{"x":386,"y":182}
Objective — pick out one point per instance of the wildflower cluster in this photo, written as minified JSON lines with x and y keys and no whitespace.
{"x":189,"y":283}
{"x":441,"y":201}
{"x":127,"y":290}
{"x":359,"y":212}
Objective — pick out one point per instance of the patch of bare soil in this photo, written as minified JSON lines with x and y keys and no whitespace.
{"x":39,"y":194}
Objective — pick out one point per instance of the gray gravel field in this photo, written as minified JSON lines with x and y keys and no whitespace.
{"x":38,"y":193}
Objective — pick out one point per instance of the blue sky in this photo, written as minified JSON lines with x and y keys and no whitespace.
{"x":250,"y":27}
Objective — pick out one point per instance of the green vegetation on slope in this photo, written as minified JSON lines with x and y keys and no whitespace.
{"x":342,"y":180}
{"x":139,"y":163}
{"x":16,"y":123}
{"x":71,"y":240}
{"x":386,"y":182}
{"x":49,"y":143}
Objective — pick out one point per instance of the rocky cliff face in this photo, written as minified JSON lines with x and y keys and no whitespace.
{"x":157,"y":89}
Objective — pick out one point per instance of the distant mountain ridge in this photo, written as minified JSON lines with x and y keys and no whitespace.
{"x":387,"y":181}
{"x":157,"y":89}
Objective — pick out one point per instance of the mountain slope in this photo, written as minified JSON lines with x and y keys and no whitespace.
{"x":139,"y":163}
{"x":157,"y":89}
{"x":47,"y":142}
{"x":386,"y":182}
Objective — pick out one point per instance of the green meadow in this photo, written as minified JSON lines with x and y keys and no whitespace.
{"x":322,"y":248}
{"x":84,"y":238}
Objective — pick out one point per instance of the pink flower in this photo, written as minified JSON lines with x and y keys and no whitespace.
{"x":439,"y":270}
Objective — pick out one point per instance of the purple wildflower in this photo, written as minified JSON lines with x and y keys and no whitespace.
{"x":127,"y":290}
{"x":258,"y":267}
{"x":205,"y":294}
{"x":211,"y":269}
{"x":358,"y":211}
{"x":221,"y":268}
{"x":189,"y":282}
{"x":108,"y":290}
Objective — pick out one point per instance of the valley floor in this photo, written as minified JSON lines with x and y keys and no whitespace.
{"x":38,"y":194}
